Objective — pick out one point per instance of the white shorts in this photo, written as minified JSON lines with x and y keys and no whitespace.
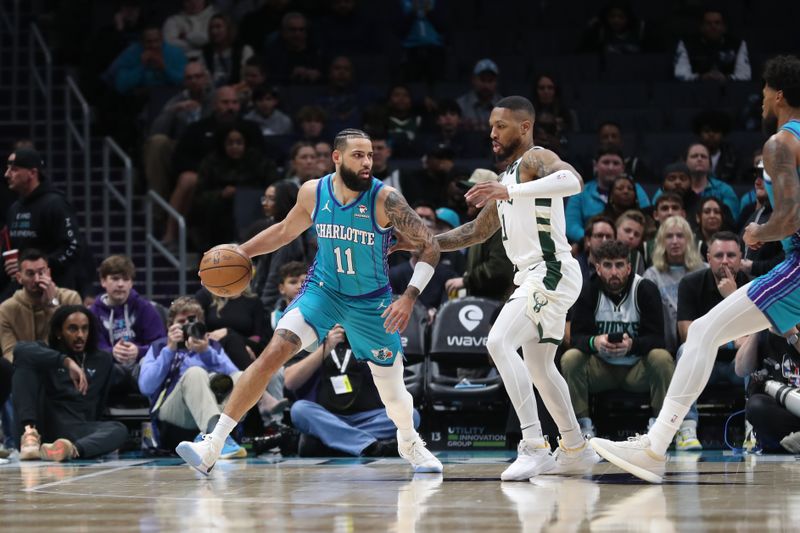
{"x":551,"y":289}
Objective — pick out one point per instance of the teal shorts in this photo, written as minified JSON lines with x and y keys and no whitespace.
{"x":360,"y":317}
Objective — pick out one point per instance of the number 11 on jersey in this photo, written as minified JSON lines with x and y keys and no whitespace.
{"x":348,"y":255}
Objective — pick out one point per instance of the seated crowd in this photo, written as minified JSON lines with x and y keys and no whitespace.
{"x":221,"y":137}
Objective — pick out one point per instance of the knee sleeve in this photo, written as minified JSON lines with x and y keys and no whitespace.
{"x":392,"y":390}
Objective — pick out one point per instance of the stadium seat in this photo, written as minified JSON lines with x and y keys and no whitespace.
{"x":458,"y":340}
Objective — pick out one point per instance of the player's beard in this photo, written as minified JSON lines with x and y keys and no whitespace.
{"x":352,"y":181}
{"x":508,"y":151}
{"x":769,"y":124}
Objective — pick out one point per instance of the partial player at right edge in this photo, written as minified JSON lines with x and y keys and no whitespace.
{"x":771,"y":300}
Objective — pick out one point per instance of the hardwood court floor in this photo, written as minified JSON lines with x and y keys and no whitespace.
{"x":708,"y":491}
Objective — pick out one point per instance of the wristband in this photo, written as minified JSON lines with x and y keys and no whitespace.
{"x":591,"y":344}
{"x":423,"y":272}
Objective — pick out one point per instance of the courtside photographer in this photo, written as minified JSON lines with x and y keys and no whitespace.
{"x":773,"y":396}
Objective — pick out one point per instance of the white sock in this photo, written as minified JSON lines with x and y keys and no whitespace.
{"x":533,"y":433}
{"x":221,"y":431}
{"x":407,"y":435}
{"x":573,"y":438}
{"x":666,"y":425}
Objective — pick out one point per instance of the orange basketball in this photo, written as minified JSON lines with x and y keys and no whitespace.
{"x":225,"y":270}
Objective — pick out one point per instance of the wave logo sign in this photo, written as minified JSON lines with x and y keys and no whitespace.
{"x":470,"y":316}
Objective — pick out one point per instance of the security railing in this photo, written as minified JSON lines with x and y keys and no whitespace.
{"x":152,"y":242}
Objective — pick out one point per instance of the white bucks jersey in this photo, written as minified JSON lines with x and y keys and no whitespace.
{"x":619,"y":318}
{"x":533,"y":229}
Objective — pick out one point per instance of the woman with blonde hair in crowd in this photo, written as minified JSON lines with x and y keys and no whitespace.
{"x":675,"y":254}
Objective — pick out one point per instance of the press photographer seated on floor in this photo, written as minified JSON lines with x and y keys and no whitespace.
{"x":774,"y":411}
{"x":338,"y":406}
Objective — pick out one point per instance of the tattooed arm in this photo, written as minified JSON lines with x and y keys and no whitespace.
{"x":484,"y":226}
{"x":542,"y":175}
{"x":405,"y":221}
{"x":780,"y":162}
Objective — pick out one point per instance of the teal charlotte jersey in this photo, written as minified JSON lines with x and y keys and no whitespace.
{"x":792,"y":242}
{"x":348,"y":282}
{"x":352,"y":248}
{"x":777,"y":293}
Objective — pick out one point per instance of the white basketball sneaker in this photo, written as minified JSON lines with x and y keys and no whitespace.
{"x":634,"y":456}
{"x":578,"y":460}
{"x":531,"y":461}
{"x":201,"y":455}
{"x":418,"y":455}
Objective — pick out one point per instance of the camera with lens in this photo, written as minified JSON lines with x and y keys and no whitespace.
{"x":192,"y":328}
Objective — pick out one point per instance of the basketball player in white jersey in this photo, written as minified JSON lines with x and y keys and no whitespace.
{"x":529,"y":211}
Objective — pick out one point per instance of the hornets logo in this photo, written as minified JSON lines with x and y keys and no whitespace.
{"x":382,"y":354}
{"x":539,"y":301}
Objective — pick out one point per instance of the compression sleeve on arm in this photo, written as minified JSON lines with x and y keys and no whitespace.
{"x":559,"y":183}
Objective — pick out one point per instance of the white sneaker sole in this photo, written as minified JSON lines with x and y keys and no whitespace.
{"x":638,"y":471}
{"x":192,"y":458}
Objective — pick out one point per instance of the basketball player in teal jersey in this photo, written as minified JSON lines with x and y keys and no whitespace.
{"x":354,"y":216}
{"x":772,"y":300}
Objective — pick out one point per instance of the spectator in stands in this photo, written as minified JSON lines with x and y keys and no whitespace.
{"x":61,"y":390}
{"x":194,"y":102}
{"x":477,"y":104}
{"x":188,"y":29}
{"x":224,"y":55}
{"x":546,"y":131}
{"x":292,"y":276}
{"x":235,"y":168}
{"x":547,"y":98}
{"x":342,"y":99}
{"x":761,"y":260}
{"x":777,"y":428}
{"x":338,"y":405}
{"x":199,"y":139}
{"x":609,"y":166}
{"x":616,"y":30}
{"x":713,"y":54}
{"x":311,"y":123}
{"x":302,"y":162}
{"x":666,"y":205}
{"x":325,"y":164}
{"x":631,"y":226}
{"x":26,"y":315}
{"x":599,"y":229}
{"x":675,"y":255}
{"x":617,"y":336}
{"x":698,"y":159}
{"x":677,"y":179}
{"x":711,"y":127}
{"x":430,"y":183}
{"x":278,"y":203}
{"x":187,"y":376}
{"x":621,"y":197}
{"x":42,"y":218}
{"x":754,"y":198}
{"x":424,"y":28}
{"x":698,"y":292}
{"x":253,"y":75}
{"x":381,"y":154}
{"x":711,"y":218}
{"x":609,"y":133}
{"x":149,"y":63}
{"x":488,"y":272}
{"x":266,"y":114}
{"x":127,"y":324}
{"x":291,"y":56}
{"x":449,"y":131}
{"x":403,"y":122}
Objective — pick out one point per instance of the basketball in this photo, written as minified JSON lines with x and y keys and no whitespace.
{"x":225,"y":270}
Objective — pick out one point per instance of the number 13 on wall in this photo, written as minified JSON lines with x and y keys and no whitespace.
{"x":348,"y":254}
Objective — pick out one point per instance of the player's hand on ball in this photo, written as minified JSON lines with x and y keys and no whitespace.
{"x":479,"y":195}
{"x":398,"y":314}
